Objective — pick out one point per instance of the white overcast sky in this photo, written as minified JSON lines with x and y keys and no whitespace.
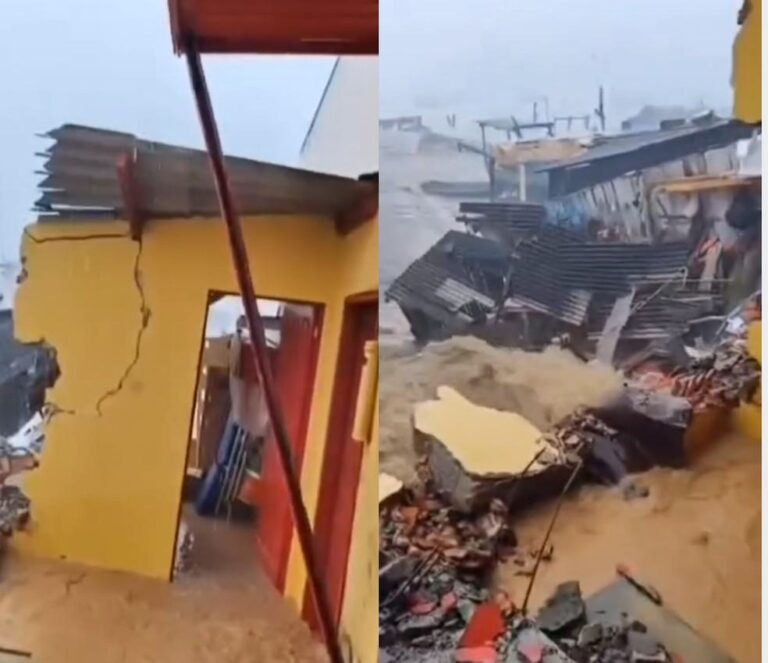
{"x":111,"y":65}
{"x":489,"y":57}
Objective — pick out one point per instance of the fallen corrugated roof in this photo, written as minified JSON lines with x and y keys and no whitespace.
{"x":654,"y":316}
{"x":614,"y":156}
{"x":81,"y":179}
{"x":539,"y":282}
{"x":459,"y":278}
{"x":509,"y":222}
{"x":558,"y":272}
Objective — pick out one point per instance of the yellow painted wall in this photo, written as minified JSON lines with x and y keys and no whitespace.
{"x":748,"y":417}
{"x":747,"y":67}
{"x":359,"y":625}
{"x":360,"y":613}
{"x":107,"y":492}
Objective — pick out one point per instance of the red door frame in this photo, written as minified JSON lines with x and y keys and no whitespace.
{"x":340,"y":478}
{"x":295,"y":371}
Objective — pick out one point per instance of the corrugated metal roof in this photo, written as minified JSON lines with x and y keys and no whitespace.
{"x":539,"y":282}
{"x":509,"y":222}
{"x":623,"y":144}
{"x":614,"y":156}
{"x":663,"y":316}
{"x":460,"y":277}
{"x":80,"y":179}
{"x":558,"y":272}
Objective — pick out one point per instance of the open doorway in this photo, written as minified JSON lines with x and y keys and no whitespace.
{"x":230,"y":514}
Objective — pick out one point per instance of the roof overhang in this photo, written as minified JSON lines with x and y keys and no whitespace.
{"x":301,"y":27}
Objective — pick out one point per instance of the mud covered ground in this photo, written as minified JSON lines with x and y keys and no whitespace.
{"x":226,"y":611}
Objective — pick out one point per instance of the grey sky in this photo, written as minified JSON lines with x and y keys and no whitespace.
{"x":111,"y":65}
{"x":498,"y":56}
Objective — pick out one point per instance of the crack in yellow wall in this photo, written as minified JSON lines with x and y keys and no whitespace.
{"x":107,"y":491}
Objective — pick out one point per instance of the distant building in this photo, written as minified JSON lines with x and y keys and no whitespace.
{"x":651,"y":118}
{"x":342,"y":138}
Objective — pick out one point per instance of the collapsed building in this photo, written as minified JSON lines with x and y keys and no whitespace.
{"x":643,"y":253}
{"x":642,"y":238}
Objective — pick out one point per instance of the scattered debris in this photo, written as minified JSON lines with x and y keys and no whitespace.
{"x":563,"y":608}
{"x":646,"y":589}
{"x":185,"y":543}
{"x":723,"y":378}
{"x":18,"y":454}
{"x":14,"y":510}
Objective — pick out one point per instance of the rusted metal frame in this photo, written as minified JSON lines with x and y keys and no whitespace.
{"x":261,"y":357}
{"x":126,"y":177}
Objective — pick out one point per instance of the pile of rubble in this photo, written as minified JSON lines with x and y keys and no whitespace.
{"x":14,"y":510}
{"x":18,"y":454}
{"x":430,"y":531}
{"x":722,"y":378}
{"x":442,"y":538}
{"x":435,"y":605}
{"x":522,"y":276}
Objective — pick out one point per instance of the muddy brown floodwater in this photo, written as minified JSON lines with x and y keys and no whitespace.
{"x":229,"y":614}
{"x":695,"y":538}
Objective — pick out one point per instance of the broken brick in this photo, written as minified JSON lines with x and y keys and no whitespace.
{"x":486,"y":625}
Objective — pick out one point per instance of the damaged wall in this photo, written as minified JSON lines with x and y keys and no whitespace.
{"x":126,"y":321}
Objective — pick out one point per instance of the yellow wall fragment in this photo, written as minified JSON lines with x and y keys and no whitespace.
{"x":388,"y":486}
{"x":483,"y":440}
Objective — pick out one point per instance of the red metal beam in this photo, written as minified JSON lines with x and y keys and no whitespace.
{"x":261,"y":355}
{"x":126,"y":177}
{"x":308,"y":27}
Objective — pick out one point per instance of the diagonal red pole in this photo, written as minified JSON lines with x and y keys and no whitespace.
{"x":261,"y":359}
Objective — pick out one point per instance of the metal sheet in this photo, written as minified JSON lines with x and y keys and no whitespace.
{"x":80,"y":173}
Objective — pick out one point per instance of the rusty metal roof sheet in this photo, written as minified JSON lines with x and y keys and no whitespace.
{"x":80,"y":179}
{"x":337,"y":27}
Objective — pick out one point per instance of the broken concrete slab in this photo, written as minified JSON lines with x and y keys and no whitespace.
{"x":484,"y":440}
{"x":477,"y":454}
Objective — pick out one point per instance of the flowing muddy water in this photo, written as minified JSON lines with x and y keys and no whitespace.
{"x":695,"y":537}
{"x":224,"y":612}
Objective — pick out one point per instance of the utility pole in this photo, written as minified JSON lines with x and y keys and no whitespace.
{"x":600,"y":110}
